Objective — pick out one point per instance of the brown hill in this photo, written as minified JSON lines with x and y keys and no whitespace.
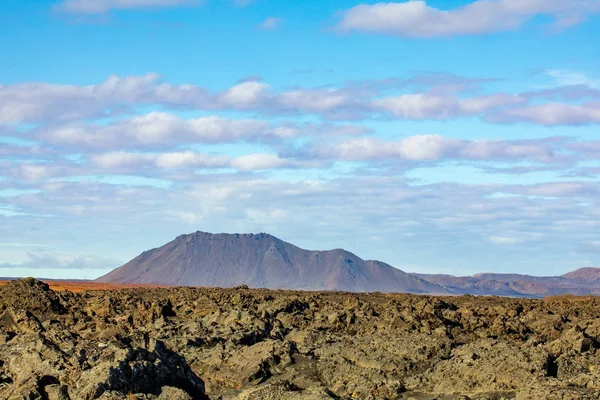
{"x":584,"y":274}
{"x":262,"y":261}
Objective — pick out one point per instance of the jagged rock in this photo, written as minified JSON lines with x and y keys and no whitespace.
{"x":139,"y":370}
{"x":284,"y":391}
{"x":31,"y":295}
{"x":171,"y":393}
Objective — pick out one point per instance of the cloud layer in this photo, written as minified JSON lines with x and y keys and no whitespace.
{"x":416,"y":19}
{"x":350,"y":163}
{"x":418,"y":98}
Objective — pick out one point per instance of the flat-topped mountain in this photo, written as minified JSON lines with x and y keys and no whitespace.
{"x":262,"y":261}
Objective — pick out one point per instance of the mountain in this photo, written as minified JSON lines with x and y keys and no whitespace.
{"x":585,"y":281}
{"x":262,"y":261}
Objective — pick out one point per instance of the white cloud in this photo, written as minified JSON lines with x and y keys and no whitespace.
{"x":550,"y":114}
{"x":186,"y":158}
{"x":160,"y":128}
{"x":42,"y":102}
{"x":432,"y":106}
{"x":121,"y":159}
{"x":437,"y":147}
{"x":572,"y":78}
{"x":271,"y":24}
{"x":104,"y":6}
{"x":416,"y":19}
{"x":317,"y":100}
{"x":128,"y":162}
{"x":64,"y":105}
{"x":254,"y":162}
{"x":245,"y":94}
{"x":156,"y":130}
{"x":182,"y":159}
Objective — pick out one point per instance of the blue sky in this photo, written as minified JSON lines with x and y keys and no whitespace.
{"x":438,"y":136}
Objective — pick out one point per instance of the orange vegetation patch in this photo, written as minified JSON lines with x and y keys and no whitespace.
{"x":79,"y":286}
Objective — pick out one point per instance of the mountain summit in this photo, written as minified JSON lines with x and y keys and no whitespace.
{"x":262,"y":261}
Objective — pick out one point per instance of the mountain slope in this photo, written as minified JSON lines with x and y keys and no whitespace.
{"x":262,"y":260}
{"x":584,"y":274}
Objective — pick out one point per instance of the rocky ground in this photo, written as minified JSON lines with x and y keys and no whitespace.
{"x":186,"y":343}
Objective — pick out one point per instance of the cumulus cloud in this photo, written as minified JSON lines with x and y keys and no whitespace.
{"x":438,"y":147}
{"x":181,"y":159}
{"x":549,"y":114}
{"x":432,"y":106}
{"x":104,"y":6}
{"x":159,"y":129}
{"x":572,"y":78}
{"x":444,"y":97}
{"x":416,"y":19}
{"x":43,"y":102}
{"x":245,"y":94}
{"x":570,"y":93}
{"x":126,"y":162}
{"x":257,"y":162}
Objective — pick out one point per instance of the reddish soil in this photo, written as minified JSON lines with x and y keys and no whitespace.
{"x":76,"y":286}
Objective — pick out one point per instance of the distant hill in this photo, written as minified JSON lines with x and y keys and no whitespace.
{"x":262,"y":261}
{"x":585,"y":281}
{"x":584,"y":274}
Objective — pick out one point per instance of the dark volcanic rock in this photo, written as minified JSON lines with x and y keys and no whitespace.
{"x":262,"y":261}
{"x":31,"y":295}
{"x":245,"y":344}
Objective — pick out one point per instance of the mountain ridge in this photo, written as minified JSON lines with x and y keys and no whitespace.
{"x":265,"y":261}
{"x":262,"y":260}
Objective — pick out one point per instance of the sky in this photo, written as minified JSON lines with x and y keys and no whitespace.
{"x":439,"y":136}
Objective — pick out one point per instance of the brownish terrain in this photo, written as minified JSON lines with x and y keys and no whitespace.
{"x":76,"y":286}
{"x":245,"y":344}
